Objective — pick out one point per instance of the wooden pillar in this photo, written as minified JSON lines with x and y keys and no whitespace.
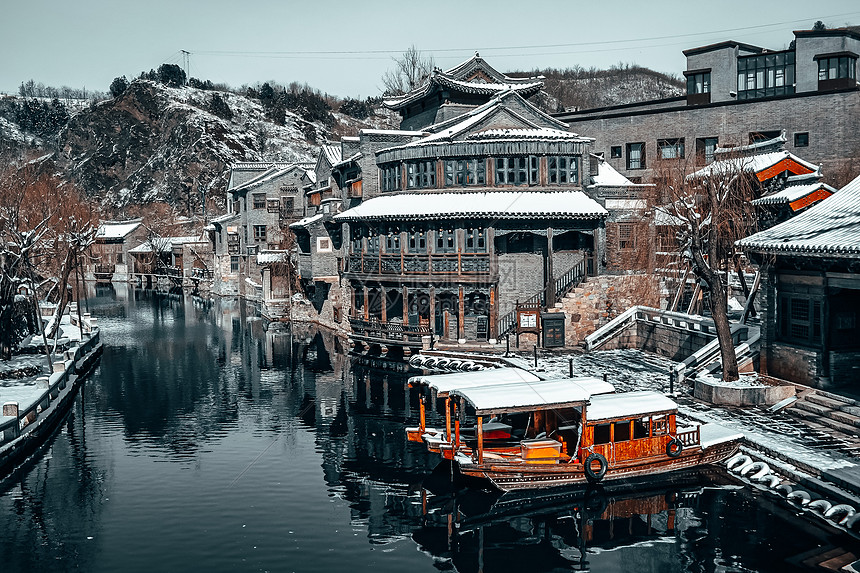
{"x":433,"y":310}
{"x":461,"y":313}
{"x":422,"y":424}
{"x":494,"y":311}
{"x":480,"y":439}
{"x":352,"y":301}
{"x":456,"y":425}
{"x":366,"y":303}
{"x":448,"y":419}
{"x":550,"y":280}
{"x":383,"y":304}
{"x":405,"y":306}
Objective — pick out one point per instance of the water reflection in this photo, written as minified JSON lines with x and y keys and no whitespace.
{"x":209,"y":439}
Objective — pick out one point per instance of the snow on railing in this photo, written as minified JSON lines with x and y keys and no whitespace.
{"x":708,"y":357}
{"x":606,"y":332}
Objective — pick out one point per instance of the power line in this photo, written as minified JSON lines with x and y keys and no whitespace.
{"x":304,"y":53}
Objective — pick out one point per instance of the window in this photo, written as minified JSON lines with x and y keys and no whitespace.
{"x":119,"y":258}
{"x":661,"y":426}
{"x":602,"y":433}
{"x":635,"y":156}
{"x":259,"y":200}
{"x":420,"y":174}
{"x":671,"y":148}
{"x":626,"y":236}
{"x":373,"y":244}
{"x":465,"y":172}
{"x":766,"y":75}
{"x":705,"y":147}
{"x":287,"y":203}
{"x":417,"y":242}
{"x":799,"y":319}
{"x":837,"y":67}
{"x":391,"y":178}
{"x":561,"y":170}
{"x":622,"y":431}
{"x":476,"y":240}
{"x":615,"y":152}
{"x":392,"y":242}
{"x":516,"y":170}
{"x":801,"y":139}
{"x":259,"y":233}
{"x":699,"y":83}
{"x":234,"y":264}
{"x":323,"y":245}
{"x":445,"y":241}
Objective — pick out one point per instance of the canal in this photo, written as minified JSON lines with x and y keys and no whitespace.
{"x":207,"y":441}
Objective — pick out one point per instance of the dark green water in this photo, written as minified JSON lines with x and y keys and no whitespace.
{"x":205,"y":441}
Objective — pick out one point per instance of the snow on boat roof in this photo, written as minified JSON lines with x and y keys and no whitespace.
{"x":628,"y":405}
{"x":444,"y":383}
{"x":464,"y":205}
{"x":524,"y":396}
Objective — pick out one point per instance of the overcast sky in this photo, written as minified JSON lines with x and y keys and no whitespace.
{"x":343,"y":48}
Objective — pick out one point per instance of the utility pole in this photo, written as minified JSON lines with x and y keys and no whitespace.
{"x":186,"y":63}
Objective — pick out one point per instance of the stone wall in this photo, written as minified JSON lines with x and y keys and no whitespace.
{"x":600,"y":299}
{"x":520,"y":277}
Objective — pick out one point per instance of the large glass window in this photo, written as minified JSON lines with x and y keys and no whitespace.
{"x":562,"y":170}
{"x":460,"y":172}
{"x":837,"y":67}
{"x":766,"y":75}
{"x":671,"y":148}
{"x":635,"y":156}
{"x":705,"y":147}
{"x":420,"y":174}
{"x":699,"y":83}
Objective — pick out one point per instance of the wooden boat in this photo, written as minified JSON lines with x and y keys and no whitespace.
{"x":496,"y":435}
{"x":574,"y":437}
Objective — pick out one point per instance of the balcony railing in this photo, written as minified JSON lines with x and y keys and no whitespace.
{"x":388,"y":332}
{"x":424,"y":264}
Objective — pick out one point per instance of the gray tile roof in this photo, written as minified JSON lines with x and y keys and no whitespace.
{"x":830,"y":228}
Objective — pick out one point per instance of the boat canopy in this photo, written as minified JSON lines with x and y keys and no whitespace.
{"x":444,"y":383}
{"x":526,"y":396}
{"x":628,"y":405}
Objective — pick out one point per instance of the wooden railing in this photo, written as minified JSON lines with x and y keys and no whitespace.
{"x":690,"y":437}
{"x":414,"y":264}
{"x":19,"y":419}
{"x":105,"y":269}
{"x":377,"y":331}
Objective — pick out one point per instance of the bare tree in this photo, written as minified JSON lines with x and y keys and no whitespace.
{"x":410,"y":69}
{"x":712,"y":210}
{"x":45,"y":226}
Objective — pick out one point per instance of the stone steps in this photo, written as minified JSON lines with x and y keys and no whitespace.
{"x":847,"y":429}
{"x":846,"y":418}
{"x":826,"y":401}
{"x":809,"y":406}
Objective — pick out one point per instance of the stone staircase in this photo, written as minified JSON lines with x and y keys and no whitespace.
{"x":829,"y":414}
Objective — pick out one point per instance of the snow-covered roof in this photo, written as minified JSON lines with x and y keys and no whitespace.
{"x":306,"y":221}
{"x":444,"y":383}
{"x":523,"y":396}
{"x":166,"y":244}
{"x":764,"y":165}
{"x":264,"y":177}
{"x":332,"y":153}
{"x":607,"y":176}
{"x":468,"y":204}
{"x":224,"y":218}
{"x":794,"y":193}
{"x":272,"y":256}
{"x":259,"y":165}
{"x":830,"y":227}
{"x":352,"y":158}
{"x":470,"y":77}
{"x":525,"y":133}
{"x":628,"y":405}
{"x":116,"y":230}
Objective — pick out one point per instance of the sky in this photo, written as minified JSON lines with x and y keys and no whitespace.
{"x":344,"y":48}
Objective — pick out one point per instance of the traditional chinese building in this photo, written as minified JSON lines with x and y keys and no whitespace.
{"x":810,"y":293}
{"x":108,"y":258}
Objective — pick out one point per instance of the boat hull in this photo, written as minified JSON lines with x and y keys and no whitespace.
{"x":520,"y":476}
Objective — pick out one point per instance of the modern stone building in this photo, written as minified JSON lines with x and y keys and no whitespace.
{"x":737,"y":94}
